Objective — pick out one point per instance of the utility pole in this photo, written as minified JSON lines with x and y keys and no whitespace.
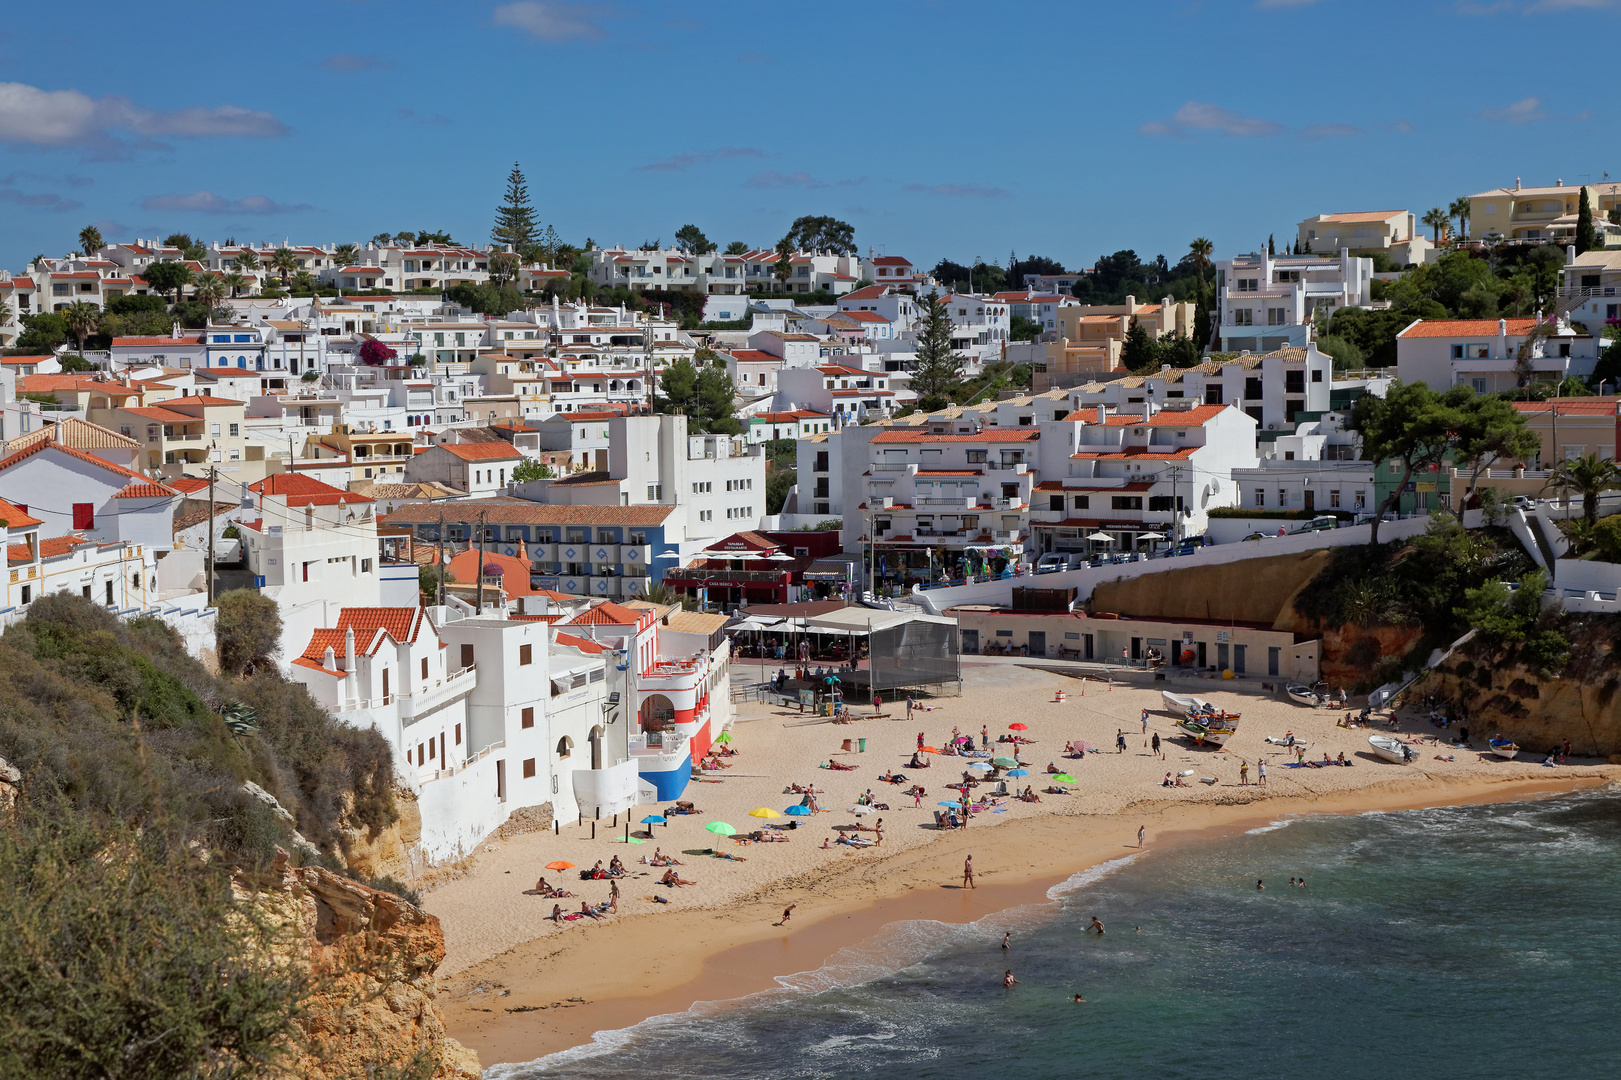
{"x":439,"y":557}
{"x":480,"y":570}
{"x":211,"y":471}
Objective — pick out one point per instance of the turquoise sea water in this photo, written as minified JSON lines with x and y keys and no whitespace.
{"x":1480,"y":941}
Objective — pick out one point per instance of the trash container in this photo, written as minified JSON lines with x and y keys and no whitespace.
{"x":847,"y":745}
{"x":863,"y":744}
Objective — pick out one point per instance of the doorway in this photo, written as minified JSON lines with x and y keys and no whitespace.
{"x":501,"y":780}
{"x":1238,"y":659}
{"x":1038,"y":643}
{"x":1311,"y":500}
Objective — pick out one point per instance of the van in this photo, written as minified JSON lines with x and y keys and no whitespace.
{"x":1052,"y":562}
{"x":1318,"y":524}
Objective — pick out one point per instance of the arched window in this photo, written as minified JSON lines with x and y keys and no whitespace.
{"x":596,"y":747}
{"x":565,"y":747}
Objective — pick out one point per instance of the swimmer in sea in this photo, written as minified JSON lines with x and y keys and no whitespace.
{"x":1007,"y":940}
{"x":1260,"y":885}
{"x":1097,"y":925}
{"x":1008,"y":981}
{"x":1079,"y":1000}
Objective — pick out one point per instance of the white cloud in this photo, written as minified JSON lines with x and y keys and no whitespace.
{"x":40,"y":200}
{"x":206,"y":202}
{"x":1318,"y":132}
{"x":956,"y":191}
{"x":677,"y":162}
{"x":1523,"y":111}
{"x":34,"y":117}
{"x":552,"y":20}
{"x":1203,"y":116}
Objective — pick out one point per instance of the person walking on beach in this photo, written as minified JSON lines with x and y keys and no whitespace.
{"x":908,"y":708}
{"x":1155,"y":745}
{"x":1119,"y":741}
{"x":920,"y":740}
{"x":613,"y":897}
{"x":1145,"y":721}
{"x":1142,"y":831}
{"x":968,"y":873}
{"x":1260,"y":772}
{"x":984,"y":737}
{"x":1244,"y":773}
{"x":786,"y":912}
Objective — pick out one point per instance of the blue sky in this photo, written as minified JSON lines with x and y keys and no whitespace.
{"x":938,"y":129}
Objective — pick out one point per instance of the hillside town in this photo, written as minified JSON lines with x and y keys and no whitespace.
{"x":522,"y":517}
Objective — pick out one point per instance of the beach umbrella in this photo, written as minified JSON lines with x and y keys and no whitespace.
{"x":980,"y":765}
{"x":1064,"y":778}
{"x":1004,"y":762}
{"x":724,"y":737}
{"x":1082,"y":744}
{"x":931,"y":750}
{"x":858,"y":809}
{"x":631,"y":840}
{"x":560,"y":864}
{"x":798,"y":811}
{"x":1151,"y":536}
{"x":655,"y":819}
{"x":764,"y":811}
{"x":720,"y":828}
{"x":1019,"y":772}
{"x":1018,"y":727}
{"x":1100,"y":537}
{"x":953,"y":805}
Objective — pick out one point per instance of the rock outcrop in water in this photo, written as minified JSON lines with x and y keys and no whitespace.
{"x":352,"y":935}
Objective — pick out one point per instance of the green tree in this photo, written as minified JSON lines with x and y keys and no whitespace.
{"x":1139,"y":355}
{"x":284,"y":263}
{"x":1490,"y":431}
{"x":690,"y":239}
{"x":90,"y":240}
{"x":209,"y":290}
{"x":247,"y":259}
{"x":1024,"y":329}
{"x":680,"y":388}
{"x":1589,"y":476}
{"x":777,"y":487}
{"x":81,"y":320}
{"x":1270,"y":249}
{"x":515,"y":224}
{"x":192,"y":249}
{"x":235,"y":281}
{"x":247,"y":632}
{"x":784,"y":268}
{"x":1411,"y":425}
{"x":736,"y":247}
{"x":1586,"y":235}
{"x":42,"y":332}
{"x":1437,"y":219}
{"x":1460,"y":209}
{"x":1179,"y":351}
{"x":73,"y":363}
{"x":503,"y":268}
{"x":1347,"y":354}
{"x":346,"y":254}
{"x":527,"y":470}
{"x":936,"y":368}
{"x":827,"y":235}
{"x":1502,"y":614}
{"x":168,"y":278}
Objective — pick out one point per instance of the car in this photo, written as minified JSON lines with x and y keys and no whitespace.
{"x":1318,"y":524}
{"x":1523,"y":502}
{"x":1255,"y":536}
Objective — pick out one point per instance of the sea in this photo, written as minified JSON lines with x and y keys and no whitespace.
{"x":1472,"y":941}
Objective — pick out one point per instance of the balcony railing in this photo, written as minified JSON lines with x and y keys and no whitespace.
{"x":890,"y":466}
{"x":1581,"y":291}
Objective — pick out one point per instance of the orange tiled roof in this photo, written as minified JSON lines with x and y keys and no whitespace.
{"x":501,"y":451}
{"x":16,"y":517}
{"x":301,"y":490}
{"x":1465,"y":328}
{"x":606,"y":613}
{"x":580,"y":643}
{"x":92,"y":459}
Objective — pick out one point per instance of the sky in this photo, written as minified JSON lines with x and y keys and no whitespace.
{"x":937,"y":129}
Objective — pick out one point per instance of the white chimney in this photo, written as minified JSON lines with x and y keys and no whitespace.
{"x":1558,"y":183}
{"x":1516,"y":183}
{"x":349,"y":649}
{"x":1103,"y":414}
{"x":330,"y":660}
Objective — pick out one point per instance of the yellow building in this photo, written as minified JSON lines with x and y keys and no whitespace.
{"x":1542,"y":213}
{"x":1089,"y":339}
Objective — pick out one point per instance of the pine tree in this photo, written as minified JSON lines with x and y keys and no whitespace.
{"x":515,"y":218}
{"x":1270,"y":249}
{"x":935,"y":368}
{"x":1586,"y":235}
{"x":1139,"y":353}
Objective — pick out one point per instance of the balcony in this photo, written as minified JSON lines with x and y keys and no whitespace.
{"x":886,"y":466}
{"x":603,"y":553}
{"x":429,"y":697}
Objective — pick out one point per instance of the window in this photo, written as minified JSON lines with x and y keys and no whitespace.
{"x":1333,"y":499}
{"x":1294,"y":382}
{"x":1212,"y":394}
{"x":236,"y":430}
{"x":1164,"y":502}
{"x":1283,"y":496}
{"x":458,"y":734}
{"x":1276,"y":316}
{"x":467,"y":656}
{"x":365,"y":566}
{"x":424,"y":667}
{"x":655,"y":492}
{"x":527,"y":717}
{"x":565,"y":747}
{"x":1361,"y":500}
{"x":84,"y":515}
{"x":1243,"y":317}
{"x":1317,"y":375}
{"x":528,"y":768}
{"x":1126,"y":502}
{"x":1055,"y":502}
{"x":1260,"y":497}
{"x":1083,"y":502}
{"x":526,"y":655}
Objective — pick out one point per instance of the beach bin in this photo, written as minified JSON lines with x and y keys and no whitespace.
{"x":862,"y":743}
{"x":847,"y":745}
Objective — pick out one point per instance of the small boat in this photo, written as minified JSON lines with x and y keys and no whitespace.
{"x":1183,"y":704}
{"x":1503,"y":748}
{"x":1213,"y":729}
{"x":1303,"y":694}
{"x":1392,"y":749}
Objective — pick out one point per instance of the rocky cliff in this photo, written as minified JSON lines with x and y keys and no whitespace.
{"x":376,"y":955}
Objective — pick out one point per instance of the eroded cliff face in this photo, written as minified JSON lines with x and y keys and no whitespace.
{"x":388,"y":851}
{"x":377,"y":955}
{"x":1536,"y":713}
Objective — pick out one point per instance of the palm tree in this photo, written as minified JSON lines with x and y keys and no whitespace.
{"x":81,"y":320}
{"x":1437,"y":219}
{"x":209,"y":291}
{"x":235,"y":281}
{"x":246,"y":259}
{"x":346,"y":254}
{"x":90,"y":240}
{"x":1589,"y":475}
{"x":304,"y":280}
{"x":1461,"y":210}
{"x":284,"y":262}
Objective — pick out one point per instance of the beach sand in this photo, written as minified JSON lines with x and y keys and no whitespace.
{"x":718,"y":939}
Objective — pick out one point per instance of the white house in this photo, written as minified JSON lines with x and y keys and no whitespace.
{"x":72,"y":491}
{"x":479,"y":469}
{"x":1483,"y":353}
{"x":1267,"y":302}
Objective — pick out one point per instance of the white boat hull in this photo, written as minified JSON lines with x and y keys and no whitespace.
{"x":1507,"y":752}
{"x":1182,"y":704}
{"x":1301,"y":695}
{"x":1392,"y":750}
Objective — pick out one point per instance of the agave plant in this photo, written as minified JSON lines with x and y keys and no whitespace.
{"x":243,"y":721}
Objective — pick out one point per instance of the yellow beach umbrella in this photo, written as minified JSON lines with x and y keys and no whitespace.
{"x":765,"y":812}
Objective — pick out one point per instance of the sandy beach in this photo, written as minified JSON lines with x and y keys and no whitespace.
{"x":515,"y":986}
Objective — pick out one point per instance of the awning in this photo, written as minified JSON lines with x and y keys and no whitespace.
{"x":832,"y":569}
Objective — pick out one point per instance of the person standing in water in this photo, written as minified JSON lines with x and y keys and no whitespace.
{"x":1097,"y":924}
{"x":968,"y":873}
{"x":1007,"y":941}
{"x":1008,"y":981}
{"x":1142,"y":830}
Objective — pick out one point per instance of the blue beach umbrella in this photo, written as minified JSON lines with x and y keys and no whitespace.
{"x":980,"y":765}
{"x":1019,"y":772}
{"x":953,"y":805}
{"x":797,"y":810}
{"x":654,"y":820}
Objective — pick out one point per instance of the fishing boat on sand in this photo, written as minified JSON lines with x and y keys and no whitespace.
{"x":1503,"y":748}
{"x":1303,"y":694}
{"x":1393,"y":750}
{"x":1183,"y":704}
{"x":1213,"y":726}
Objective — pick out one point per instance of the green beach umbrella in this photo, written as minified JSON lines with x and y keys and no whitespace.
{"x":720,"y":828}
{"x":1004,"y":762}
{"x":724,"y":737}
{"x":1064,"y":778}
